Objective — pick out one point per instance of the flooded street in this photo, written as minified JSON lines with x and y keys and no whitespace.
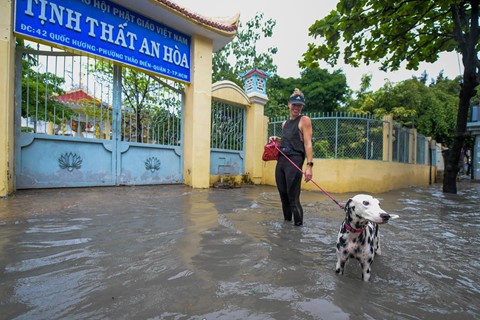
{"x":172,"y":252}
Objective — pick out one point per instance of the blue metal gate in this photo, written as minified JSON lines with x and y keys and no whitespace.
{"x":84,"y":122}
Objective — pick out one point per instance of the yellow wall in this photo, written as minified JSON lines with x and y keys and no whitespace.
{"x":256,"y":126}
{"x":197,"y":116}
{"x":7,"y":59}
{"x":230,"y":92}
{"x":342,"y":176}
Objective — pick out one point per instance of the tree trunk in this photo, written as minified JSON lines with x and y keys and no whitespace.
{"x":467,"y":46}
{"x":452,"y":158}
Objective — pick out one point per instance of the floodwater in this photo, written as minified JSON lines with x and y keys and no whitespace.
{"x":172,"y":252}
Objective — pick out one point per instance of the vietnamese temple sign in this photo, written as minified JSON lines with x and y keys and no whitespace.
{"x":107,"y":30}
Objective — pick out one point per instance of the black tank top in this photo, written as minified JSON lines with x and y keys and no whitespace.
{"x":292,"y":137}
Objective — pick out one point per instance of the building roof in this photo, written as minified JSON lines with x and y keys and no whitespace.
{"x":74,"y":96}
{"x":261,"y":73}
{"x":78,"y":97}
{"x":221,"y":30}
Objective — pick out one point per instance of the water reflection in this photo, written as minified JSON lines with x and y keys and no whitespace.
{"x":171,"y":252}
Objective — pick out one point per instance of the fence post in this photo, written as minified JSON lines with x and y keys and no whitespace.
{"x":413,"y":145}
{"x":336,"y":138}
{"x":387,"y":138}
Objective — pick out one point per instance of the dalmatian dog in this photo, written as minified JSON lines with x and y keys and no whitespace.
{"x":358,"y":235}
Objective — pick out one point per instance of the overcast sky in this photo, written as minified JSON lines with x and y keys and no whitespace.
{"x":290,"y":36}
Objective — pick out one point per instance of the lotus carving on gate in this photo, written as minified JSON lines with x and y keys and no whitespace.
{"x":70,"y":161}
{"x":152,"y":164}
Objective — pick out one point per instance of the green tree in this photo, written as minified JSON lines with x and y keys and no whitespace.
{"x":39,"y":90}
{"x":391,"y":32}
{"x":147,"y":101}
{"x":362,"y":101}
{"x":279,"y":90}
{"x":241,"y":54}
{"x":414,"y":104}
{"x":324,"y":92}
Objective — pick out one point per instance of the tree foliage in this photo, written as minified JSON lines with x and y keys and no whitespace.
{"x":414,"y":104}
{"x":393,"y":32}
{"x":389,"y":32}
{"x":324,"y":91}
{"x":39,"y":89}
{"x":147,"y":101}
{"x":241,"y":54}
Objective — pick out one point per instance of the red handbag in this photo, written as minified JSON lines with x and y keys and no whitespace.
{"x":270,"y":151}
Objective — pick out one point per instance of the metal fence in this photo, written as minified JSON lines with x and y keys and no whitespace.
{"x":72,"y":95}
{"x":422,"y":149}
{"x":401,"y":144}
{"x":228,"y":126}
{"x":342,"y":136}
{"x":347,"y":136}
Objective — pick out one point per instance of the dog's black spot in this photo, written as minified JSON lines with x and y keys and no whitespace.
{"x":337,"y":270}
{"x":371,"y":249}
{"x":344,"y":229}
{"x":370,"y":260}
{"x":354,"y":240}
{"x":342,"y":242}
{"x":361,"y":237}
{"x":368,"y":270}
{"x":351,"y":255}
{"x":338,"y":245}
{"x":345,"y":252}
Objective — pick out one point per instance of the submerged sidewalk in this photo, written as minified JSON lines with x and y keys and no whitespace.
{"x":172,"y":252}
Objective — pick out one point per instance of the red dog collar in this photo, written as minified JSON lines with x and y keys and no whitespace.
{"x":349,"y":228}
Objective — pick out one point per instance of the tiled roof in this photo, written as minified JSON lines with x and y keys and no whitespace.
{"x":74,"y":96}
{"x":228,"y":26}
{"x":257,"y":71}
{"x":79,"y":97}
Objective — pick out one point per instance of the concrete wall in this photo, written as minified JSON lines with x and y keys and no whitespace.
{"x":342,"y":176}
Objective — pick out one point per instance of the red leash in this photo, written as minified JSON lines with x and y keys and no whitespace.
{"x":325,"y":192}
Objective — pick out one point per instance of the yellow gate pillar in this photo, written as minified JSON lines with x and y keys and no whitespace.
{"x":256,"y":89}
{"x":387,"y":138}
{"x":255,"y":138}
{"x":7,"y":110}
{"x":197,"y":116}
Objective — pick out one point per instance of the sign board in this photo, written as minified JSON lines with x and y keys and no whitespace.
{"x":105,"y":29}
